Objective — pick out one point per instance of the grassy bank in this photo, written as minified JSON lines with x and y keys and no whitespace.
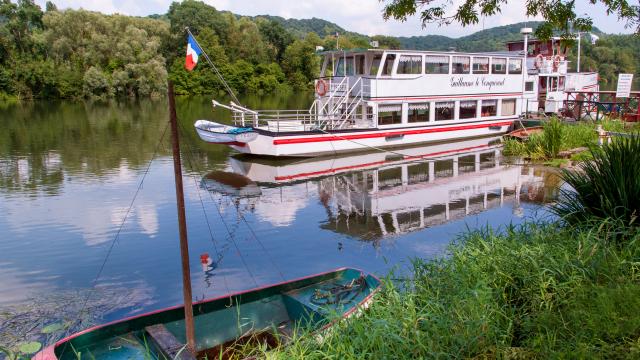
{"x":559,"y":137}
{"x":538,"y":290}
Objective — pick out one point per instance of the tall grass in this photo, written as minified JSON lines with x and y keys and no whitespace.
{"x":605,"y":187}
{"x":534,"y":291}
{"x":553,"y":138}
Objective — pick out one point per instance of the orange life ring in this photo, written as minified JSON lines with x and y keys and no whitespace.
{"x":539,"y":61}
{"x":556,"y":62}
{"x":321,"y":87}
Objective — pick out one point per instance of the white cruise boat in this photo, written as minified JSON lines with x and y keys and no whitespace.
{"x":375,"y":98}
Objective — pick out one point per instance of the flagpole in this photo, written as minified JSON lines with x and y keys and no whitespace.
{"x":182,"y":225}
{"x":215,"y":69}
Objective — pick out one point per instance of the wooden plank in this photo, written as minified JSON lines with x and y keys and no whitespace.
{"x":167,"y":343}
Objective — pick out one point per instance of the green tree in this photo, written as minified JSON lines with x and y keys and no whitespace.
{"x":301,"y":63}
{"x":560,"y":15}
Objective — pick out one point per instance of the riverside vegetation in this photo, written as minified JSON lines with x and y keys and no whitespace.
{"x":567,"y":288}
{"x":54,"y":53}
{"x":559,"y":136}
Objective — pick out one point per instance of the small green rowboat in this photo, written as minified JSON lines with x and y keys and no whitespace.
{"x":265,"y":315}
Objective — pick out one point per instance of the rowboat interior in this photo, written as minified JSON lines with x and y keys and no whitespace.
{"x":265,"y":316}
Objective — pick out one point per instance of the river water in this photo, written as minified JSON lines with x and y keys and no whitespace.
{"x":69,"y":172}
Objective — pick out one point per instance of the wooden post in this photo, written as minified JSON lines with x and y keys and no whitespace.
{"x":182,"y":225}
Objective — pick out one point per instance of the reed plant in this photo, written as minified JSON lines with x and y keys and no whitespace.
{"x":606,"y":187}
{"x":553,"y":138}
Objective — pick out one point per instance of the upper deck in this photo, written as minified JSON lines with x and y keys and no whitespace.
{"x":393,"y":74}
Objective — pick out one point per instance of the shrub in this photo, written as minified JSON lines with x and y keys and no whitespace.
{"x":606,"y":187}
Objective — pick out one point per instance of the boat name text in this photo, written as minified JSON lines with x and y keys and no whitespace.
{"x":477,"y":82}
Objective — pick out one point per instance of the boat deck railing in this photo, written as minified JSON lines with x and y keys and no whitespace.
{"x":340,"y":108}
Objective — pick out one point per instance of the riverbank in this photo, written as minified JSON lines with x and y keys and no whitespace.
{"x":563,"y":144}
{"x":532,"y":291}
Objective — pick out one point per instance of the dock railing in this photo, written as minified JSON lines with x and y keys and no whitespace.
{"x":595,"y":105}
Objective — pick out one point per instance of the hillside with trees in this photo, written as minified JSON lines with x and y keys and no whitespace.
{"x":52,"y":53}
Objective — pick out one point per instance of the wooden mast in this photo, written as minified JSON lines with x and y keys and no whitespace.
{"x":182,"y":224}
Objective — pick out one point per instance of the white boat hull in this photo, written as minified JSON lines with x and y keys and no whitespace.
{"x":314,"y":144}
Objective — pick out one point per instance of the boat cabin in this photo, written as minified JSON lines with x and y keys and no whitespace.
{"x":407,"y":88}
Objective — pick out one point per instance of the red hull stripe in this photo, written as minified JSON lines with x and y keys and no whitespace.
{"x":321,"y":138}
{"x":376,"y":163}
{"x":446,"y":97}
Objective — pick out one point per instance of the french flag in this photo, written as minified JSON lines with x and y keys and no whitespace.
{"x":193,"y":52}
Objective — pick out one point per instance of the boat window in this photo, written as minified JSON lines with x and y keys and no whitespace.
{"x":445,"y":110}
{"x":554,"y":83}
{"x":389,"y":114}
{"x":489,"y":108}
{"x":388,"y":64}
{"x":460,"y":65}
{"x":410,"y":64}
{"x":436,"y":64}
{"x":480,"y":65}
{"x":375,"y":65}
{"x":508,"y":107}
{"x":468,"y":109}
{"x":340,"y":67}
{"x":528,"y":86}
{"x":418,"y":112}
{"x":543,"y":83}
{"x":350,"y":67}
{"x":515,"y":66}
{"x":561,"y":83}
{"x":499,"y":66}
{"x":359,"y":64}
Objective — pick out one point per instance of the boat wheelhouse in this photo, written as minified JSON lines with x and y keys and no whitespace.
{"x":376,"y":98}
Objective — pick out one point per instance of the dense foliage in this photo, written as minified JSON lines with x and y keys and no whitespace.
{"x":55,"y":53}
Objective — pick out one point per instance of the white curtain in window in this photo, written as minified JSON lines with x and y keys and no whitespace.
{"x":389,"y":108}
{"x":489,"y":102}
{"x":430,"y":59}
{"x":468,"y":104}
{"x":461,"y":60}
{"x":420,"y":106}
{"x":481,"y":60}
{"x":447,"y":104}
{"x":410,"y":58}
{"x":508,"y":107}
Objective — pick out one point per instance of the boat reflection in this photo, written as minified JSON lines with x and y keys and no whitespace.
{"x":374,"y":195}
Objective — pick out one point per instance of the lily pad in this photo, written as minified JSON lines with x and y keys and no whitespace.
{"x":51,"y":328}
{"x":30,"y":347}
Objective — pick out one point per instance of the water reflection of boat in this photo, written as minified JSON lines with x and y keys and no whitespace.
{"x":231,"y":184}
{"x":377,"y":194}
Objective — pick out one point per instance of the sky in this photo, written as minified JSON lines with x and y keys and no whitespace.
{"x":362,"y":16}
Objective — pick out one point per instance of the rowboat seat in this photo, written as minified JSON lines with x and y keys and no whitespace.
{"x":167,"y":343}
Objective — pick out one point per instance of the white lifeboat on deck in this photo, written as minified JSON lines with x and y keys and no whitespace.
{"x":217,"y":133}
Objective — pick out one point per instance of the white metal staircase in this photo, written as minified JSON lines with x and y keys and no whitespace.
{"x":338,"y":108}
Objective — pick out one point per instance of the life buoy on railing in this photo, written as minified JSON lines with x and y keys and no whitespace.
{"x":321,"y":87}
{"x":539,"y":61}
{"x":556,"y":62}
